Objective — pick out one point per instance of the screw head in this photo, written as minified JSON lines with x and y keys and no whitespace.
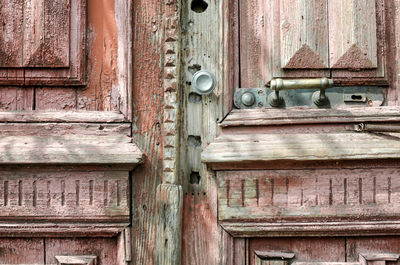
{"x":248,"y":99}
{"x":204,"y":82}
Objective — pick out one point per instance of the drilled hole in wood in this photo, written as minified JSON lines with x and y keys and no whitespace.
{"x":194,"y":140}
{"x":194,"y":97}
{"x":199,"y":6}
{"x":195,"y":178}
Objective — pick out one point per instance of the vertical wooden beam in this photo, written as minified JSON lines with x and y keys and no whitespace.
{"x":148,"y":115}
{"x":170,"y":194}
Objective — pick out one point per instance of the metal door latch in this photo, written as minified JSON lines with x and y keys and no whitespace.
{"x":283,"y":93}
{"x":319,"y":98}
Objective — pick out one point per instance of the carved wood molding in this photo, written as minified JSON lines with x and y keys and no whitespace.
{"x":310,"y":202}
{"x":170,"y":125}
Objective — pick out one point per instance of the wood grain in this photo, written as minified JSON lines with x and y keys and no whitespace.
{"x":304,"y":34}
{"x":22,"y":251}
{"x":352,"y":34}
{"x":68,"y":150}
{"x":62,"y":116}
{"x":148,"y":112}
{"x":306,"y":249}
{"x":11,"y":38}
{"x":105,"y":249}
{"x":300,"y":147}
{"x":170,"y":206}
{"x":260,"y":117}
{"x":308,"y":196}
{"x":83,"y":196}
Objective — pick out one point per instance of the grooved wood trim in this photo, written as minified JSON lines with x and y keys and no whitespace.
{"x":301,"y":147}
{"x":260,"y":117}
{"x":62,"y":116}
{"x":170,"y":125}
{"x":76,"y":150}
{"x":65,"y":196}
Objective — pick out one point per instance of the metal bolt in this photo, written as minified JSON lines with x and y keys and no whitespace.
{"x":248,"y":99}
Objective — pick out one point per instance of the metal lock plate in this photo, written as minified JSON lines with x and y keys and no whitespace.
{"x":337,"y":97}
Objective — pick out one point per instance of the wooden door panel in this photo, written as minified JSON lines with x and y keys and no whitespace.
{"x":22,"y":251}
{"x":11,"y":37}
{"x":352,"y":34}
{"x":319,"y":38}
{"x":305,"y":249}
{"x":382,"y":244}
{"x":304,"y":34}
{"x":105,"y":249}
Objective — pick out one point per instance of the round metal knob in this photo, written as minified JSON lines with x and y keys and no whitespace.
{"x":204,"y":82}
{"x":248,"y":99}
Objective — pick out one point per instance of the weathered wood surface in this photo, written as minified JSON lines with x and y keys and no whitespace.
{"x":77,"y":259}
{"x":51,"y":45}
{"x":203,"y":49}
{"x":148,"y":112}
{"x":72,"y":196}
{"x":53,"y":129}
{"x":309,"y":196}
{"x":301,"y":147}
{"x":352,"y":35}
{"x":60,"y":229}
{"x":169,"y":234}
{"x":16,"y":99}
{"x":306,"y":249}
{"x":304,"y":34}
{"x":21,"y":251}
{"x":104,"y":249}
{"x":79,"y":150}
{"x":383,"y":248}
{"x":108,"y":48}
{"x":262,"y":117}
{"x":62,"y":116}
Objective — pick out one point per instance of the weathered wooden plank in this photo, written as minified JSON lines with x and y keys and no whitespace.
{"x":62,"y":116}
{"x":352,"y":34}
{"x":11,"y":40}
{"x":304,"y":34}
{"x":373,"y":249}
{"x":170,"y":206}
{"x":63,"y":197}
{"x":69,"y":150}
{"x":260,"y":117}
{"x":148,"y":17}
{"x":300,"y":147}
{"x":48,"y":129}
{"x":22,"y":250}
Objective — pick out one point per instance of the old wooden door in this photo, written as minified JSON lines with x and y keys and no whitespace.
{"x":65,"y":127}
{"x":301,"y":182}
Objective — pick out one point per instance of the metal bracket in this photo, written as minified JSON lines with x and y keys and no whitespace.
{"x":336,"y":97}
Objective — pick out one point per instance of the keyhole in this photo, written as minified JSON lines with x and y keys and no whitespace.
{"x":356,"y":97}
{"x":199,"y":6}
